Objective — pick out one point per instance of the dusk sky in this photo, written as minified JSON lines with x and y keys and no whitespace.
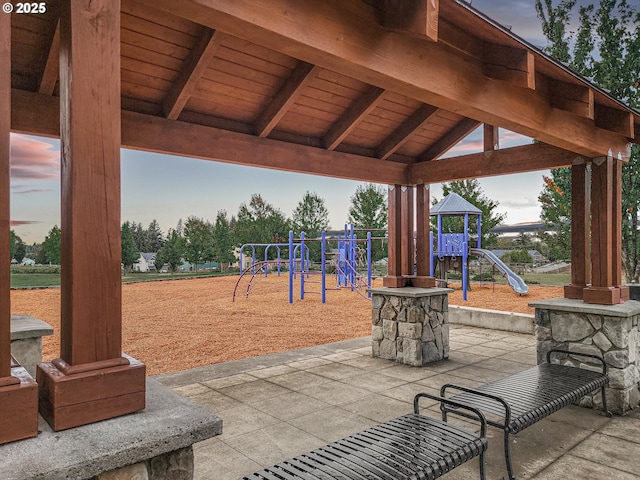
{"x":170,"y":188}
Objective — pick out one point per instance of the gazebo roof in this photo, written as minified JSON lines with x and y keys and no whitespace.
{"x":358,"y":89}
{"x":454,"y":204}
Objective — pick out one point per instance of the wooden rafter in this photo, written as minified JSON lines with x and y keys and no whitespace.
{"x":401,"y":134}
{"x":528,"y":158}
{"x":615,"y":120}
{"x":453,"y":136}
{"x":414,"y":16}
{"x":52,"y":67}
{"x":360,"y":109}
{"x":346,"y":33}
{"x":514,"y":65}
{"x":194,"y":67}
{"x":574,"y":98}
{"x":285,"y":98}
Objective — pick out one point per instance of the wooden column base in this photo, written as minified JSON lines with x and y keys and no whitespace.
{"x":423,"y":282}
{"x":395,"y":282}
{"x":625,"y":294}
{"x":18,"y":407}
{"x":602,"y":295}
{"x":88,"y":396}
{"x":574,"y":292}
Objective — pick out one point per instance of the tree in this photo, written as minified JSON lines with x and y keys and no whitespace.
{"x":471,"y":191}
{"x":607,"y":50}
{"x":17,"y":248}
{"x":51,"y":247}
{"x":198,"y":236}
{"x":368,"y":211}
{"x":222,"y":240}
{"x":555,"y":200}
{"x":130,"y":252}
{"x":311,"y":217}
{"x":171,"y":252}
{"x":260,"y":222}
{"x":153,"y":237}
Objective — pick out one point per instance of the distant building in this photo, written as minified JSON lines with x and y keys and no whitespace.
{"x":146,"y":263}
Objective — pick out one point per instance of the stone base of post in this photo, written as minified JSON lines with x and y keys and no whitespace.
{"x":410,"y":325}
{"x":606,"y":331}
{"x":82,"y":395}
{"x":19,"y":400}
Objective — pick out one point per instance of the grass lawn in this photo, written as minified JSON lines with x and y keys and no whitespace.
{"x":24,"y":280}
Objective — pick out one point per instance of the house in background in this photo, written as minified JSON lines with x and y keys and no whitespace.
{"x":146,"y":263}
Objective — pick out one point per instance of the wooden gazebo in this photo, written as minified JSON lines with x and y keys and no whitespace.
{"x":368,"y":90}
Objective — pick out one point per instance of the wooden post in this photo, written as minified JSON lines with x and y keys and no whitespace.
{"x":603,"y":291}
{"x":423,"y":246}
{"x":580,"y":244}
{"x":394,"y":276}
{"x":18,"y":391}
{"x":491,"y":138}
{"x":616,"y":216}
{"x":92,"y":380}
{"x":408,"y":245}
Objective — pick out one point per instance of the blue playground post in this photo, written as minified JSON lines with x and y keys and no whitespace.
{"x":369,"y":264}
{"x":302,"y":265}
{"x":323,"y":277}
{"x":291,"y":266}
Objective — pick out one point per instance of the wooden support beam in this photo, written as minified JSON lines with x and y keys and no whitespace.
{"x":285,"y":98}
{"x":419,"y":17}
{"x":513,"y":65}
{"x":527,"y":158}
{"x":450,"y":139}
{"x":603,"y":291}
{"x":18,"y":391}
{"x":616,"y":218}
{"x":52,"y":67}
{"x":342,"y":37}
{"x":615,"y":120}
{"x":194,"y":67}
{"x":407,"y":225}
{"x":91,"y":380}
{"x":401,"y":134}
{"x":173,"y":137}
{"x":580,"y":236}
{"x":362,"y":107}
{"x":491,"y":138}
{"x":5,"y":211}
{"x":394,"y":278}
{"x":423,"y":246}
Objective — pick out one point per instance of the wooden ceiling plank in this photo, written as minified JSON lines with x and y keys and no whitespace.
{"x":527,"y":158}
{"x":401,"y":134}
{"x":174,"y":137}
{"x":285,"y":98}
{"x":195,"y":65}
{"x":450,"y":139}
{"x":52,"y":67}
{"x":360,"y":109}
{"x":344,"y":37}
{"x":419,"y":17}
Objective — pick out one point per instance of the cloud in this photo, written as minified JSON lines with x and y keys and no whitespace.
{"x":17,"y":223}
{"x":21,"y":190}
{"x":33,"y":159}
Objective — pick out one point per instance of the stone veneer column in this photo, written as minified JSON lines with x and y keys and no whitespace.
{"x":410,"y":325}
{"x":607,"y":331}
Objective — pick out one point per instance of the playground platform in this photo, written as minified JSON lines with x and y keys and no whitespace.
{"x":280,"y":405}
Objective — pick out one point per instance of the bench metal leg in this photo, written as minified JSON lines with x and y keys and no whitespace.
{"x":483,"y":473}
{"x":507,"y":455}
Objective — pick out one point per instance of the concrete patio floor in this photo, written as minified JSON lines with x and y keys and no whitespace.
{"x":281,"y":405}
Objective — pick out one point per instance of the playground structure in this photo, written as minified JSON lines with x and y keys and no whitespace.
{"x":452,"y":250}
{"x":346,"y":263}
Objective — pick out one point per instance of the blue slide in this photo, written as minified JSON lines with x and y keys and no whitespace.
{"x":515,"y":282}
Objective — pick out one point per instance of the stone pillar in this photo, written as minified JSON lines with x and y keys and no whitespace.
{"x":607,"y":331}
{"x":410,"y":325}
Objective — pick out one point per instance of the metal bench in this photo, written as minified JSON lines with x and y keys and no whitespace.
{"x":520,"y":400}
{"x":410,"y":447}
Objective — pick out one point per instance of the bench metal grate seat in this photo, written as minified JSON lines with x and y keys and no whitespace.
{"x":518,"y":401}
{"x":410,"y":447}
